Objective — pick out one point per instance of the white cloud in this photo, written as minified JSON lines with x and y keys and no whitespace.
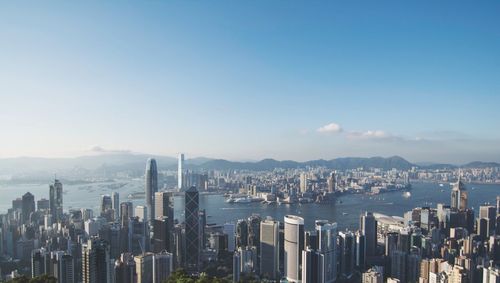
{"x":375,"y":134}
{"x":330,"y":128}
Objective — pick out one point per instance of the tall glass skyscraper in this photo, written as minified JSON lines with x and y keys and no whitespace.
{"x":151,"y":187}
{"x":192,"y":230}
{"x":56,"y":201}
{"x":180,"y":172}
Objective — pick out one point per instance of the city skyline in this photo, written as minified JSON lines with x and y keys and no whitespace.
{"x":252,"y":81}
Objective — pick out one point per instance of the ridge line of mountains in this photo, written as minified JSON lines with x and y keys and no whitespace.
{"x":129,"y":161}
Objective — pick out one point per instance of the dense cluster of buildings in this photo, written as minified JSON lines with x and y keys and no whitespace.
{"x":122,"y":243}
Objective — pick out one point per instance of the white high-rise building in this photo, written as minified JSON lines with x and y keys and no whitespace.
{"x":294,"y":244}
{"x":180,"y":172}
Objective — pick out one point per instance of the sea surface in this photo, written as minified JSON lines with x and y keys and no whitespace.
{"x":345,"y":211}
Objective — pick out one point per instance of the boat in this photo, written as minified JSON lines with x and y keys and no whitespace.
{"x":441,"y":185}
{"x":406,"y":194}
{"x":243,"y":200}
{"x":344,"y":213}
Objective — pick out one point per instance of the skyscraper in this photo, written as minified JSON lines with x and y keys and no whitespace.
{"x":144,"y":267}
{"x":269,"y":249}
{"x":347,"y":254}
{"x":95,"y":262}
{"x":331,"y":182}
{"x":106,"y":204}
{"x":56,"y":201}
{"x":126,"y":211}
{"x":180,"y":171}
{"x":303,"y":182}
{"x":459,"y":196}
{"x":116,"y":205}
{"x":151,"y":187}
{"x":164,"y":206}
{"x":28,"y":206}
{"x":294,"y":244}
{"x":368,"y":227}
{"x":191,"y":213}
{"x":327,"y":248}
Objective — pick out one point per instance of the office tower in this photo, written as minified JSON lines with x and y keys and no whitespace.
{"x":56,"y":201}
{"x":399,"y":265}
{"x":368,"y":227}
{"x":192,"y":229}
{"x":404,"y":240}
{"x":303,"y":182}
{"x":162,"y":266}
{"x":327,"y":249}
{"x":391,"y":242}
{"x":229,"y":230}
{"x":126,"y":212}
{"x":164,"y":205}
{"x":331,"y":183}
{"x":116,"y":205}
{"x":28,"y":206}
{"x":373,"y":276}
{"x":247,"y":260}
{"x":161,"y":234}
{"x":236,"y":267}
{"x":312,"y":266}
{"x":202,"y":218}
{"x":179,"y":245}
{"x":112,"y":235}
{"x":95,"y":262}
{"x":142,"y":213}
{"x":413,"y":266}
{"x":498,"y":205}
{"x":87,"y":214}
{"x":40,"y":260}
{"x":485,"y":211}
{"x":311,"y":239}
{"x":483,"y":227}
{"x":254,"y":234}
{"x":151,"y":187}
{"x":63,"y":267}
{"x":360,"y":251}
{"x":180,"y":171}
{"x":43,"y":204}
{"x":106,"y":204}
{"x":347,"y":254}
{"x":459,"y":196}
{"x":138,"y":237}
{"x":125,"y":269}
{"x":294,"y":244}
{"x":144,"y":267}
{"x":269,"y":249}
{"x":241,"y":233}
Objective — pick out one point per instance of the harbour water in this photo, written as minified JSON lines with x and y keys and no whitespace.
{"x":345,"y":211}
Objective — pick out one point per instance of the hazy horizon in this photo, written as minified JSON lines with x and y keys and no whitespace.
{"x":252,"y":80}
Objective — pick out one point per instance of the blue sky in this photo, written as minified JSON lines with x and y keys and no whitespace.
{"x":252,"y":79}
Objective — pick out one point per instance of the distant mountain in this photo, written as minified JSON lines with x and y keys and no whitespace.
{"x":134,"y":164}
{"x":480,"y":164}
{"x":339,"y":164}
